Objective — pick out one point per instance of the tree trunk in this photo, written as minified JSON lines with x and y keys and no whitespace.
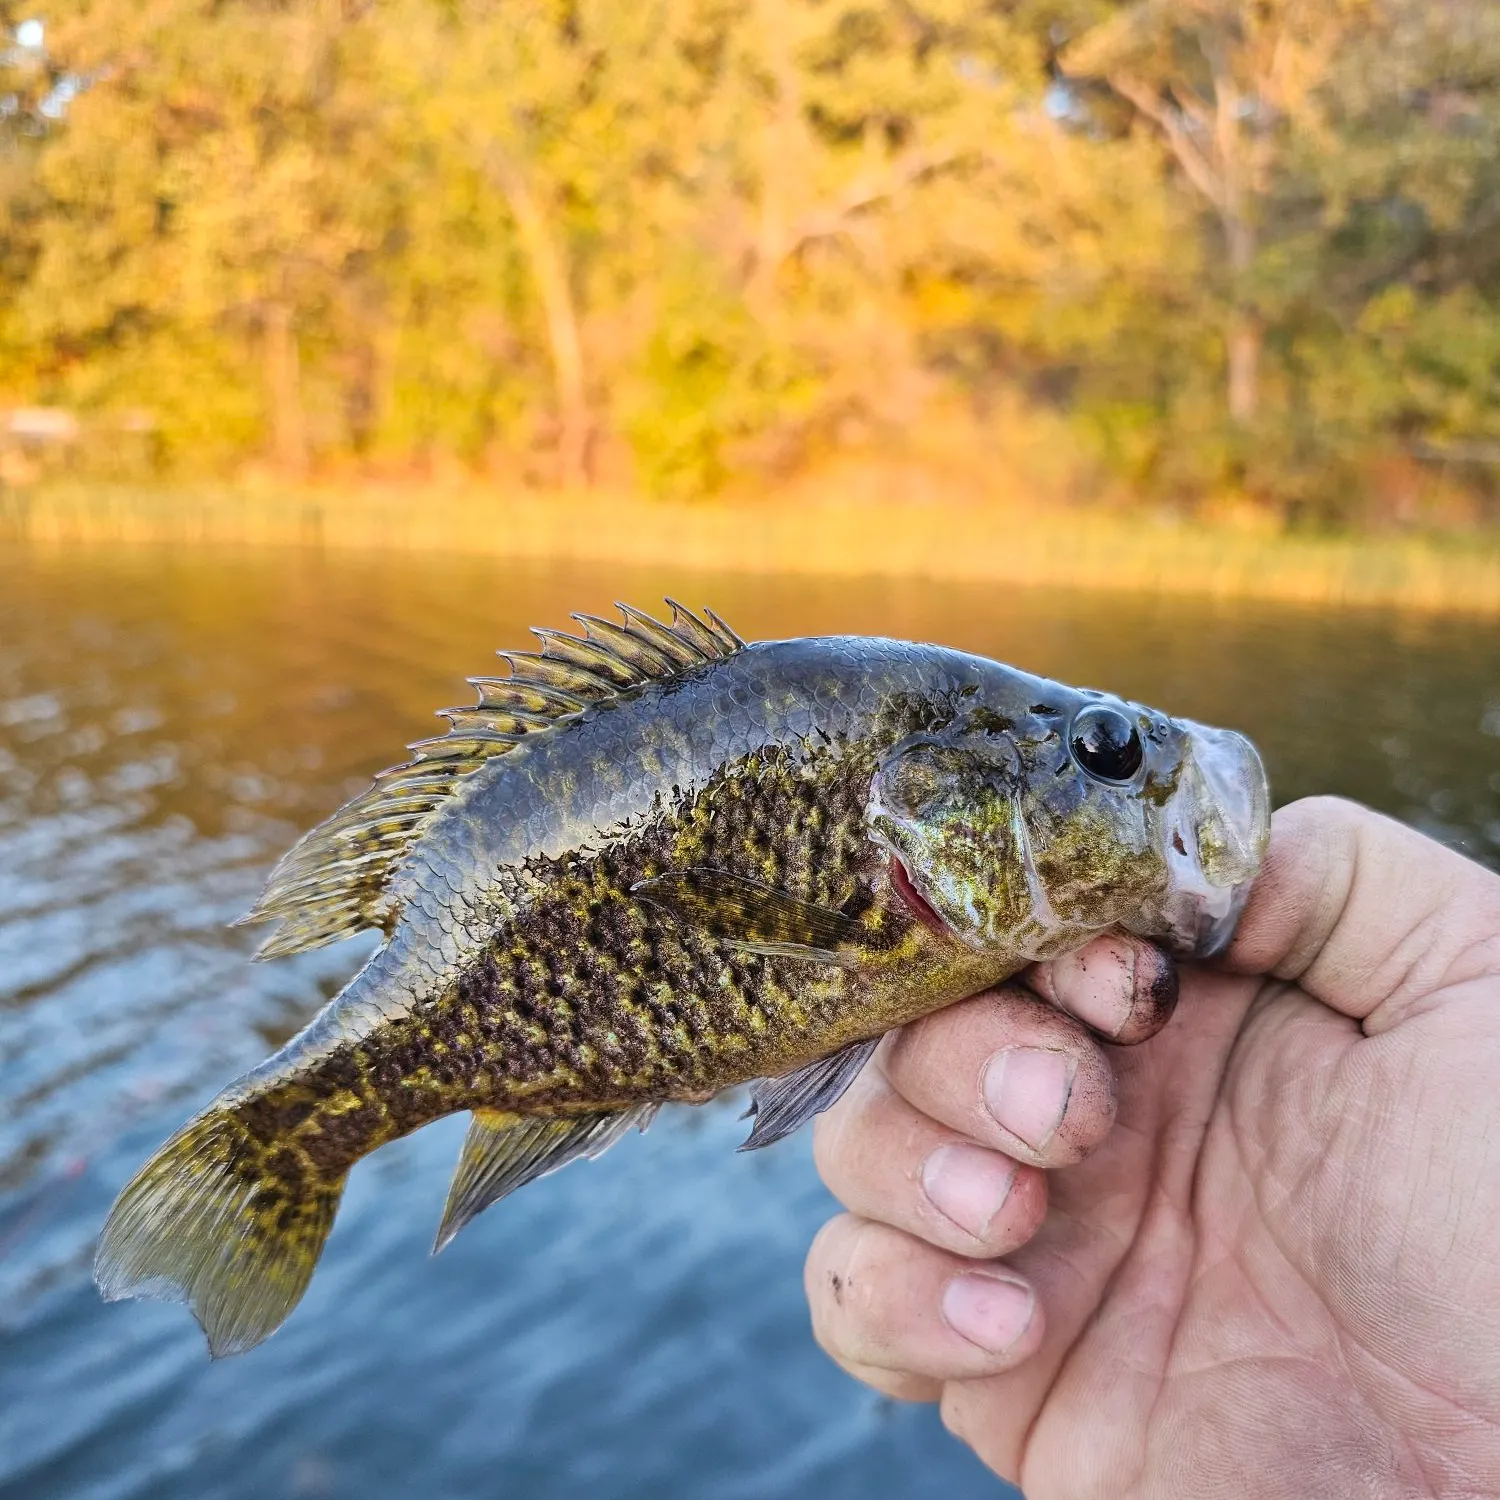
{"x":550,"y":271}
{"x":1243,"y":335}
{"x":283,"y":374}
{"x":1244,"y":367}
{"x":781,"y":157}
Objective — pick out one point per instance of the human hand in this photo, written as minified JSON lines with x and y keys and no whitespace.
{"x":1259,"y":1256}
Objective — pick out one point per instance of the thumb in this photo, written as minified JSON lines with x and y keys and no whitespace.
{"x":1368,"y":916}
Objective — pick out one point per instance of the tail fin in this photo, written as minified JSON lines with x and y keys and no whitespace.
{"x":224,"y":1222}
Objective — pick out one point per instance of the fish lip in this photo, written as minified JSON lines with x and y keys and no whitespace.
{"x":1202,"y":929}
{"x":1225,"y":772}
{"x":1216,"y":931}
{"x":918,"y":904}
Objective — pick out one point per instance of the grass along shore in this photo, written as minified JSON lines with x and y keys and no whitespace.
{"x":932,"y":539}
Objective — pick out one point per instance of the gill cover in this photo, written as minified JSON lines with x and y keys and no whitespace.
{"x":948,"y":807}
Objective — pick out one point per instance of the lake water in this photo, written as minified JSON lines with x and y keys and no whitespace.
{"x":631,"y":1327}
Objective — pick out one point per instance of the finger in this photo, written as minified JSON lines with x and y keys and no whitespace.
{"x":882,"y":1299}
{"x":899,"y":1385}
{"x":1370,"y":917}
{"x":1122,"y":986}
{"x":884,"y":1160}
{"x":1010,"y":1072}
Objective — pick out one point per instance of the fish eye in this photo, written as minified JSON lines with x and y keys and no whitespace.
{"x":1105,"y":743}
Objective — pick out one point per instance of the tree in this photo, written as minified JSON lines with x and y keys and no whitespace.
{"x":1174,"y":247}
{"x":210,"y":193}
{"x":1226,"y":84}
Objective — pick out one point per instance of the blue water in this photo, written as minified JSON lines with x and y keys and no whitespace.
{"x":630,"y":1327}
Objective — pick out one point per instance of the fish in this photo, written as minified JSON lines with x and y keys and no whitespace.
{"x":653,"y":862}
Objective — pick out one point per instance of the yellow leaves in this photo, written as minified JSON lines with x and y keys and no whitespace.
{"x":707,"y":242}
{"x":1389,"y":311}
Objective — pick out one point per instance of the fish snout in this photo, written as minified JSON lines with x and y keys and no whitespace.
{"x":1217,"y":825}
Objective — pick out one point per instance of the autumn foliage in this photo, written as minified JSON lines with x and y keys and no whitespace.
{"x":1195,"y":251}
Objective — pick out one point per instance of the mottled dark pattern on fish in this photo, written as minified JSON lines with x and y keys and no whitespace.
{"x":653,"y":863}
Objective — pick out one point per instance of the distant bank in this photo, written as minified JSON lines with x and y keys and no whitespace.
{"x":1459,"y":574}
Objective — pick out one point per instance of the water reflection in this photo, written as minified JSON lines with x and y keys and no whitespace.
{"x":168,"y":722}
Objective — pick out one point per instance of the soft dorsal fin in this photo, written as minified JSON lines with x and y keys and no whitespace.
{"x":333,"y":881}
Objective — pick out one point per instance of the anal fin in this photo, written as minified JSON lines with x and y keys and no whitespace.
{"x":782,"y":1105}
{"x":504,"y":1151}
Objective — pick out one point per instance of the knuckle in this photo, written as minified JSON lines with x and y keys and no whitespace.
{"x":827,"y":1248}
{"x":831,"y":1130}
{"x":836,"y":1128}
{"x":848,"y":1292}
{"x":830,"y":1283}
{"x":827,"y":1128}
{"x":900,"y":1385}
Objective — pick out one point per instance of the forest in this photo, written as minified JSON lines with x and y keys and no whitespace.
{"x":1180,"y":253}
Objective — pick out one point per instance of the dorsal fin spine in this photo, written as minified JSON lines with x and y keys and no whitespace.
{"x":629,"y":647}
{"x":465,"y":745}
{"x":590,"y":655}
{"x":334,"y":880}
{"x":731,"y":641}
{"x":683,"y":653}
{"x":506,"y":720}
{"x":687,"y":625}
{"x":529,"y":696}
{"x":553,"y":672}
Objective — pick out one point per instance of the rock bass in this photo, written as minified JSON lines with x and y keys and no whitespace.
{"x":653,"y":862}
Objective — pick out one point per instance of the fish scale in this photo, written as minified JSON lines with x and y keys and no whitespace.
{"x":651,"y":864}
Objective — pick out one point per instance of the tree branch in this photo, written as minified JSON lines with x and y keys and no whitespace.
{"x":1190,"y":157}
{"x":547,"y":256}
{"x":906,"y":172}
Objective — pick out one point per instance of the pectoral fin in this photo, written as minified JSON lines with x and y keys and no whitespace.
{"x":782,"y":1105}
{"x":753,"y":916}
{"x":505,"y":1151}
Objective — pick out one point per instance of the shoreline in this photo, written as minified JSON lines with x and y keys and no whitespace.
{"x":937,"y":540}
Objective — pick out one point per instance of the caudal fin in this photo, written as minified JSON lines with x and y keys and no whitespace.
{"x":223,"y":1222}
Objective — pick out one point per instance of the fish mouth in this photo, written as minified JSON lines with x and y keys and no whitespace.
{"x":1218,"y":824}
{"x":918,"y":904}
{"x":1215,"y":929}
{"x":1201,"y":922}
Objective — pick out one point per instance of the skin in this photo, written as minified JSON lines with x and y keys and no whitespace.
{"x":1254,"y":1257}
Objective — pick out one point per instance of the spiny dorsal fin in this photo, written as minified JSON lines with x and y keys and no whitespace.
{"x":333,"y":882}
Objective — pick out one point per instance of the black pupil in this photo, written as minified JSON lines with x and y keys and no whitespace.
{"x":1106,"y":745}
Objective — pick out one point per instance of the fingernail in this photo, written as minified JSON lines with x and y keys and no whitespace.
{"x":1026,"y":1089}
{"x":988,"y":1310}
{"x":967,"y":1184}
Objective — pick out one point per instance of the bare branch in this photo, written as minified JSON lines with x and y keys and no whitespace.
{"x":907,"y":171}
{"x":1193,"y":107}
{"x":1190,"y":156}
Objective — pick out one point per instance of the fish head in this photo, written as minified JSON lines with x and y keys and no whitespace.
{"x":1030,"y":831}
